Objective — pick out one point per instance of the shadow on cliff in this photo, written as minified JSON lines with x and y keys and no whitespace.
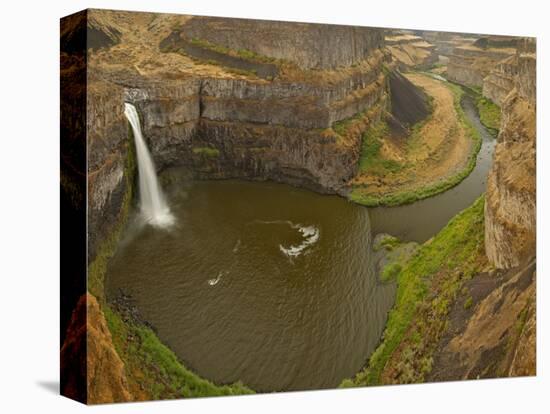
{"x":409,"y":104}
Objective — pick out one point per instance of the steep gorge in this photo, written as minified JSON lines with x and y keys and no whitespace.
{"x":222,"y":121}
{"x":217,"y":122}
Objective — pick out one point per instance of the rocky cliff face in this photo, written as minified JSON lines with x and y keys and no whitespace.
{"x":500,"y":81}
{"x":222,"y":124}
{"x":307,"y":45}
{"x":470,"y":64}
{"x":510,"y":210}
{"x":411,"y":51}
{"x":89,"y":337}
{"x":494,"y":337}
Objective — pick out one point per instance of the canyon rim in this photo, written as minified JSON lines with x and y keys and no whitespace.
{"x":260,"y":206}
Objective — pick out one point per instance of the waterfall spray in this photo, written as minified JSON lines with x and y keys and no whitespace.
{"x":153,"y":205}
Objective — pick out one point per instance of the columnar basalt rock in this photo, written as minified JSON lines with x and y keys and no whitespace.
{"x":308,"y":45}
{"x":510,"y":209}
{"x":108,"y":145}
{"x":500,"y":81}
{"x":470,"y":64}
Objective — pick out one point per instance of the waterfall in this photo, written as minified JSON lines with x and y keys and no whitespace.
{"x":153,"y":205}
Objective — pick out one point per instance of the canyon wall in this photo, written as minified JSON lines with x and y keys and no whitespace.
{"x":470,"y":64}
{"x":500,"y":80}
{"x":445,"y":42}
{"x":411,"y":52}
{"x":308,"y":45}
{"x":510,"y":210}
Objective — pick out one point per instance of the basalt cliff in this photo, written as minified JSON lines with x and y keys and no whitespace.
{"x":226,"y":114}
{"x":492,"y":333}
{"x":510,"y":211}
{"x":469,"y":64}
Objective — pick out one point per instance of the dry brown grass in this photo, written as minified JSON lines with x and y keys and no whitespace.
{"x":436,"y":150}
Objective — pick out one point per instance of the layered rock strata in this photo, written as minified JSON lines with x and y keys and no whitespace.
{"x":470,"y":64}
{"x":411,"y":51}
{"x":500,"y":80}
{"x":510,"y":209}
{"x":310,"y":46}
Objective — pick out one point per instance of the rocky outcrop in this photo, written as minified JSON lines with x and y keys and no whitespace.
{"x":94,"y":371}
{"x":470,"y":64}
{"x":106,"y":376}
{"x":318,"y":46}
{"x":411,"y":52}
{"x":500,"y":80}
{"x":108,"y":146}
{"x":510,"y":210}
{"x":494,"y":335}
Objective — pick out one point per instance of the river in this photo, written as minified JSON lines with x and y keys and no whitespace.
{"x":270,"y":284}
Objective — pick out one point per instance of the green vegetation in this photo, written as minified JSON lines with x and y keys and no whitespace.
{"x":489,"y":114}
{"x":388,"y":243}
{"x":341,"y":127}
{"x":242,"y":53}
{"x":427,"y":286}
{"x":468,"y":302}
{"x":160,"y":372}
{"x":406,"y":197}
{"x":370,"y":159}
{"x":206,"y":152}
{"x":391,"y":272}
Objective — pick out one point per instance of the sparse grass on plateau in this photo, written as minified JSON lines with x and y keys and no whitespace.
{"x":427,"y":286}
{"x":360,"y":196}
{"x":242,"y":53}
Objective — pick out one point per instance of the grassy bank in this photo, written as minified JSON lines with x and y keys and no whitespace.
{"x":152,"y":367}
{"x":370,"y":158}
{"x":489,"y":114}
{"x":427,"y":286}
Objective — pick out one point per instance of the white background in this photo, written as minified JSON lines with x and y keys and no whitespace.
{"x":29,"y":206}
